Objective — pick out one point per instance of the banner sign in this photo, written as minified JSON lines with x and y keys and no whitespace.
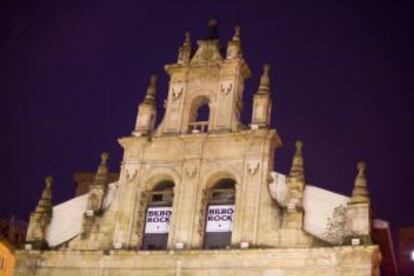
{"x":157,"y":220}
{"x":219,"y":218}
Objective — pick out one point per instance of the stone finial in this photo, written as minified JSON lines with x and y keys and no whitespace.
{"x":150,"y":97}
{"x":236,"y":36}
{"x":360,"y":191}
{"x":44,"y":205}
{"x":104,"y":160}
{"x":266,"y":69}
{"x":153,"y":85}
{"x":295,"y":190}
{"x":234,"y":48}
{"x":147,"y":110}
{"x":297,"y":170}
{"x":49,"y":181}
{"x":40,"y":218}
{"x":102,"y":171}
{"x":187,"y":41}
{"x":213,"y":25}
{"x":184,"y":52}
{"x":264,"y":86}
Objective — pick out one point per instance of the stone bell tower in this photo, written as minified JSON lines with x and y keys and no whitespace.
{"x":190,"y":168}
{"x":209,"y":79}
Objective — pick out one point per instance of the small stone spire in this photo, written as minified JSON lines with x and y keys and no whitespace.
{"x":358,"y":217}
{"x":360,"y":191}
{"x":102,"y":171}
{"x":187,"y":41}
{"x":262,"y":101}
{"x":295,"y":190}
{"x":97,"y":190}
{"x":234,"y":49}
{"x":40,"y":219}
{"x":264,"y":86}
{"x":44,"y":205}
{"x":236,"y":36}
{"x":297,"y":169}
{"x":147,"y":110}
{"x":184,"y":52}
{"x":150,"y":97}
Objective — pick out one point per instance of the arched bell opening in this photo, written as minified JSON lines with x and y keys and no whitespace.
{"x":220,"y":208}
{"x":199,"y":115}
{"x":158,"y":216}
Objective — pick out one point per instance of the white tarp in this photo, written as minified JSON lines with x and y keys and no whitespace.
{"x":157,"y":220}
{"x":324,"y":213}
{"x":67,"y":220}
{"x":220,"y":218}
{"x":324,"y":210}
{"x":67,"y":217}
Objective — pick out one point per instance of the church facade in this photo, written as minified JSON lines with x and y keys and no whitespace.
{"x":200,"y":197}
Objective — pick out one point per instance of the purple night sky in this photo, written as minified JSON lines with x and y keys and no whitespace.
{"x":72,"y":74}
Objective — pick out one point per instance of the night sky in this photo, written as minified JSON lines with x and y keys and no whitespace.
{"x":72,"y":74}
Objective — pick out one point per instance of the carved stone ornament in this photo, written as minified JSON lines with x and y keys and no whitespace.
{"x":253,"y":166}
{"x":177,"y":92}
{"x":191,"y":170}
{"x":226,"y":88}
{"x":131,"y":171}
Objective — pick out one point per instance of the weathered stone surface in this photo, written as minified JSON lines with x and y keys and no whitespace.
{"x":300,"y":261}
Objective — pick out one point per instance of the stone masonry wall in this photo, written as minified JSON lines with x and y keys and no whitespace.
{"x":346,"y":260}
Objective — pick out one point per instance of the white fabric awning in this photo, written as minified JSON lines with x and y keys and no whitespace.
{"x":67,"y":217}
{"x":324,"y":213}
{"x":67,"y":220}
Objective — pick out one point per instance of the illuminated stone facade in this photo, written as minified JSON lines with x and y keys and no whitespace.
{"x":186,"y":166}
